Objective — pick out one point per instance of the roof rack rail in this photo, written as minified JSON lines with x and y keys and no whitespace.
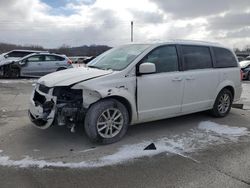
{"x":194,"y":41}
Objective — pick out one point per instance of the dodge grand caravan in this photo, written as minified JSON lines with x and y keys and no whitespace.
{"x":138,"y":83}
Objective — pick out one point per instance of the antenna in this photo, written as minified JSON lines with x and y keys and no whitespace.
{"x":132,"y":31}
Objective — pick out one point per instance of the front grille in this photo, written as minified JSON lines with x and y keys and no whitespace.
{"x":44,"y":88}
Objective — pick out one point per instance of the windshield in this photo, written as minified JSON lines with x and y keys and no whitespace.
{"x":118,"y":58}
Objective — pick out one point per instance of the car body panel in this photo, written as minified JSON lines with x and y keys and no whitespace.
{"x":158,"y":100}
{"x":43,"y":67}
{"x":71,"y":76}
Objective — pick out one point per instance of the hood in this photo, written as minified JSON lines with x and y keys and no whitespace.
{"x":5,"y":61}
{"x":71,"y":76}
{"x":244,"y":64}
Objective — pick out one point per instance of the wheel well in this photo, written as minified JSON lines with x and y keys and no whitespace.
{"x":125,"y":102}
{"x":231,"y":89}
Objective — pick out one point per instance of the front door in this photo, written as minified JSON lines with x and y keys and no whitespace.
{"x":159,"y":95}
{"x":33,"y":66}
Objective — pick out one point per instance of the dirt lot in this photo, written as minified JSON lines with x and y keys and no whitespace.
{"x":191,"y":151}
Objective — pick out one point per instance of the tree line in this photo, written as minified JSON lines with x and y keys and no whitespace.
{"x":92,"y":50}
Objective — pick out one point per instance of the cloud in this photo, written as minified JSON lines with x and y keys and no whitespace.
{"x":230,"y":21}
{"x":80,"y":22}
{"x":145,"y":17}
{"x":197,"y":8}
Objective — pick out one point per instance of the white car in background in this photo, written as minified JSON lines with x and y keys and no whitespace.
{"x":138,"y":83}
{"x":14,"y":55}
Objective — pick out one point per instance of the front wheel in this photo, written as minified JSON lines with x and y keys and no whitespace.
{"x":223,"y":103}
{"x":106,"y":121}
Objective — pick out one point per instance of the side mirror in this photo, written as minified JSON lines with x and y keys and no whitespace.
{"x":23,"y":62}
{"x":147,"y":68}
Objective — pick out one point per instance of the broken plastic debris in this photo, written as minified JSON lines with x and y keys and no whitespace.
{"x":150,"y":147}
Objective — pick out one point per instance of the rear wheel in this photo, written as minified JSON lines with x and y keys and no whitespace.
{"x":223,"y":103}
{"x":106,"y":121}
{"x":248,"y":76}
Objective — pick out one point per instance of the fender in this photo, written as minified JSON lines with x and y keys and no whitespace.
{"x":91,"y":96}
{"x":222,"y":85}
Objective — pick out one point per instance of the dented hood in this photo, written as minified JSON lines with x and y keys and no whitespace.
{"x":71,"y":76}
{"x":5,"y":61}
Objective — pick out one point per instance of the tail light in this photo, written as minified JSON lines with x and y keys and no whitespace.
{"x":241,"y":74}
{"x":69,"y":62}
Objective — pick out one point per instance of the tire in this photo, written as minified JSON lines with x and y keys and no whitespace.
{"x":96,"y":121}
{"x":248,"y":76}
{"x":223,"y":103}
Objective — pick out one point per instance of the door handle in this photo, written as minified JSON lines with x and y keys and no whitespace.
{"x":190,"y":78}
{"x":177,"y":79}
{"x":39,"y":63}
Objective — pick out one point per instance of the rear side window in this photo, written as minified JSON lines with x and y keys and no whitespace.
{"x":36,"y":58}
{"x":196,"y":57}
{"x":54,"y":58}
{"x":224,"y":58}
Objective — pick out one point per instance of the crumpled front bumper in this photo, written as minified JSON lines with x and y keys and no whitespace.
{"x":42,"y":108}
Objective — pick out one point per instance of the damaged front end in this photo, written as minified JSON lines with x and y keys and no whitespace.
{"x":57,"y":105}
{"x":10,"y":70}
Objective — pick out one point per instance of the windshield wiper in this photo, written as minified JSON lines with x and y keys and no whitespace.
{"x":93,"y":66}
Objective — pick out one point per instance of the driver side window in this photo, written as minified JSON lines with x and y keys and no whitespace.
{"x":165,"y":59}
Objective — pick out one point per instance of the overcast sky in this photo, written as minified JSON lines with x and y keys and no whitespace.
{"x":77,"y":22}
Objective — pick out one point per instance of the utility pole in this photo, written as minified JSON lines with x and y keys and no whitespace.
{"x":132,"y":31}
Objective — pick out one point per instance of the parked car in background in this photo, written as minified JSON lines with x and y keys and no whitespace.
{"x":245,"y":67}
{"x":240,"y":58}
{"x":138,"y":83}
{"x":15,"y":55}
{"x":81,"y":59}
{"x":77,"y":59}
{"x":36,"y":65}
{"x":247,"y":58}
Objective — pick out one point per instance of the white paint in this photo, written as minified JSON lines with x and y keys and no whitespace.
{"x":71,"y":76}
{"x":182,"y":145}
{"x":79,"y":65}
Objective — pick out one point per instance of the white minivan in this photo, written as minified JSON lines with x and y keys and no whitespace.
{"x":138,"y":83}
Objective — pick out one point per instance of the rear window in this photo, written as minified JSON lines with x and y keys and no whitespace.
{"x":196,"y":57}
{"x":224,"y":58}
